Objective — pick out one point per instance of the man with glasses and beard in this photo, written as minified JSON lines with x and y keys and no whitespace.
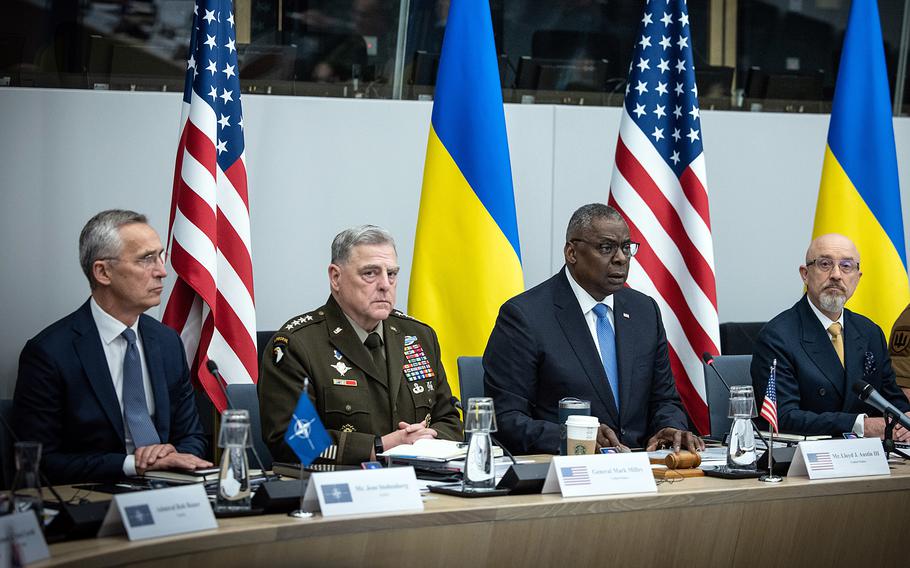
{"x":822,"y":349}
{"x":584,"y":334}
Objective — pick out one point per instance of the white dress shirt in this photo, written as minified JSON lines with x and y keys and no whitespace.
{"x":859,"y":427}
{"x":114,"y":345}
{"x":587,"y":303}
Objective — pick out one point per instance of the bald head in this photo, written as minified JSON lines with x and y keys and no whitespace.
{"x":831,"y":273}
{"x":832,"y":244}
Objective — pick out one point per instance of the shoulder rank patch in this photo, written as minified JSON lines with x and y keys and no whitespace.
{"x":277,"y":353}
{"x":402,"y":315}
{"x":299,"y":321}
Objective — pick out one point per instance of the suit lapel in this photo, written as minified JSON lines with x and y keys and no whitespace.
{"x":855,"y":347}
{"x":577,"y":332}
{"x":625,"y":349}
{"x":394,"y":342}
{"x":817,"y":343}
{"x":155,"y":365}
{"x":343,"y":337}
{"x":91,"y":355}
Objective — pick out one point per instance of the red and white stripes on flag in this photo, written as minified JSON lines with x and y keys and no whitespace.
{"x":659,"y":186}
{"x":211,"y":303}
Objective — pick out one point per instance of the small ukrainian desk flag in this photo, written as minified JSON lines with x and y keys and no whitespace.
{"x":467,"y":260}
{"x":859,"y":195}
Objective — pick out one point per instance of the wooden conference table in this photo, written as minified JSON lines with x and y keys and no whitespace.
{"x":692,"y":522}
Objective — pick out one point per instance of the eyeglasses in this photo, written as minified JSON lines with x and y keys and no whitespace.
{"x":608,"y":248}
{"x":148,"y":261}
{"x":825,"y":264}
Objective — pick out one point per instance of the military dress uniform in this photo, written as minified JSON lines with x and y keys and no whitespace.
{"x":355,"y":399}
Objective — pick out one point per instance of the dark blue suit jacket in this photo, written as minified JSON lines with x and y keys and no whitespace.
{"x":814,"y":392}
{"x":65,"y":398}
{"x":541,"y":350}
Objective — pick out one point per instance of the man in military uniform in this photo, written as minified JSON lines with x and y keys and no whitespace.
{"x":899,"y":347}
{"x":375,"y":373}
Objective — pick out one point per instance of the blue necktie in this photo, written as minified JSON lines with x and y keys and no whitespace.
{"x":607,"y":340}
{"x":135,"y":409}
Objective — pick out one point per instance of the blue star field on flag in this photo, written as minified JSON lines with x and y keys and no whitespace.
{"x":661,"y":96}
{"x":212,"y":74}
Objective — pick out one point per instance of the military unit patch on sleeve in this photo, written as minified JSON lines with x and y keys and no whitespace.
{"x":279,"y":346}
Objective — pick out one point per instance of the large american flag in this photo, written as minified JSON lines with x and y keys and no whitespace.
{"x":659,"y":186}
{"x":211,"y":304}
{"x":769,"y":406}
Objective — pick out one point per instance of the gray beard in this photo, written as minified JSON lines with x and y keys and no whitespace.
{"x":832,"y":301}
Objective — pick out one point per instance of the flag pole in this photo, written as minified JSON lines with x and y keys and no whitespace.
{"x":770,"y":477}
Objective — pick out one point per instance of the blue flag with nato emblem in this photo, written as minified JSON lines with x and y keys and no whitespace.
{"x":305,"y":434}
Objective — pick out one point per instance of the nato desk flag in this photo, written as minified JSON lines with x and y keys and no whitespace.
{"x":467,"y":260}
{"x":305,"y":434}
{"x":859,"y":195}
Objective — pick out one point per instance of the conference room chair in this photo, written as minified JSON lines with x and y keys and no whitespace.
{"x":7,"y":467}
{"x":244,"y":396}
{"x":735,"y":370}
{"x":470,"y":377}
{"x":738,"y":338}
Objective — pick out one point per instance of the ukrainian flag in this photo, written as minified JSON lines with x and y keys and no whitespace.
{"x":859,"y":195}
{"x":467,"y":260}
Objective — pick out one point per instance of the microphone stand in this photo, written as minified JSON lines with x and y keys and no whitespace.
{"x":888,"y":441}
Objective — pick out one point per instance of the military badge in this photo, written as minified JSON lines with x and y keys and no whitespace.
{"x":277,"y":354}
{"x":348,"y":428}
{"x":417,"y":389}
{"x":336,"y":331}
{"x":337,"y":354}
{"x":345,"y":382}
{"x":410,"y":339}
{"x":900,"y":341}
{"x":340,"y":367}
{"x":430,"y":385}
{"x":416,"y":366}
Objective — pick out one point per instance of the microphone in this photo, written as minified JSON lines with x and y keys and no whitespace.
{"x":709,"y":361}
{"x":870,"y":396}
{"x":457,"y":404}
{"x":213,"y":369}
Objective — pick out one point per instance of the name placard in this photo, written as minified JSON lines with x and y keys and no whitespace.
{"x":159,"y":512}
{"x":356,"y":492}
{"x":600,"y":474}
{"x":21,"y":541}
{"x":829,"y":459}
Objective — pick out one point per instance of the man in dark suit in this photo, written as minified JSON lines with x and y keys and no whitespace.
{"x":822,"y":349}
{"x":106,"y":389}
{"x":557,"y":340}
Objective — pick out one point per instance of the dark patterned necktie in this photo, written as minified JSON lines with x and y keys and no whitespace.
{"x":135,"y":409}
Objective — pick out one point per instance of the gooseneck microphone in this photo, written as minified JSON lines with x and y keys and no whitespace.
{"x":213,"y":369}
{"x":870,"y":396}
{"x":457,"y":404}
{"x":709,"y":361}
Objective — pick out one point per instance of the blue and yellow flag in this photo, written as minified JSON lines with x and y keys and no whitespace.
{"x":467,"y":260}
{"x":859,"y":195}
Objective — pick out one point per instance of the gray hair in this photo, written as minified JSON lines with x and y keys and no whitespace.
{"x":346,"y":240}
{"x":100,"y":238}
{"x":583,"y":218}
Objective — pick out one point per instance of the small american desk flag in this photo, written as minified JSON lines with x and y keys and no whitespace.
{"x":769,"y":406}
{"x":211,"y":304}
{"x":659,"y":186}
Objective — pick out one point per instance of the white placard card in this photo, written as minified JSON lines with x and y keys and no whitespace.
{"x":830,"y":459}
{"x":21,"y":541}
{"x":600,"y":474}
{"x":357,"y":492}
{"x":159,"y":512}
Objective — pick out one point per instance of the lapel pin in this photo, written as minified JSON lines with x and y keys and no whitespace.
{"x":336,"y":331}
{"x":625,"y":315}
